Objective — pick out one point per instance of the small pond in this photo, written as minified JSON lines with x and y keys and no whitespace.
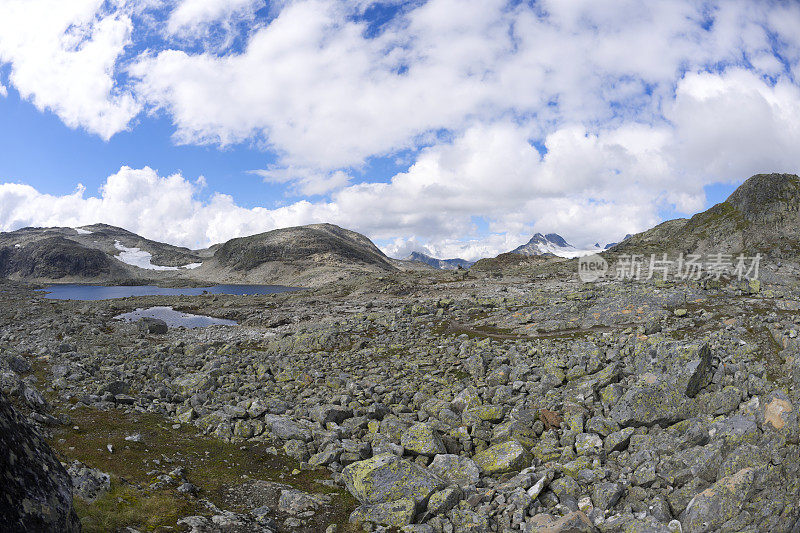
{"x":102,"y":292}
{"x":175,"y":319}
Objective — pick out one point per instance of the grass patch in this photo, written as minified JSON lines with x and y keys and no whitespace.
{"x":210,"y":463}
{"x":125,"y":506}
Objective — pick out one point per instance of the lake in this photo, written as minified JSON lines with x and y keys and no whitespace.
{"x":174,"y":318}
{"x":70,"y":291}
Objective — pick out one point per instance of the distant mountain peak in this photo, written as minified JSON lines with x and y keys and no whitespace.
{"x":540,"y":244}
{"x":442,"y":264}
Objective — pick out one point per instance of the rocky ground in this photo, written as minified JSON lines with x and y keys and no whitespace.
{"x":514,"y":400}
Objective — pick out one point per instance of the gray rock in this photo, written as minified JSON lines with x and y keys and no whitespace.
{"x":88,"y":483}
{"x":455,"y":469}
{"x":396,"y":513}
{"x":386,"y":478}
{"x":606,"y":495}
{"x":721,"y":502}
{"x":37,"y":489}
{"x":154,"y":326}
{"x":652,"y":401}
{"x":330,"y":413}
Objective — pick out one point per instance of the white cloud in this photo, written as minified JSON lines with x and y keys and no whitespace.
{"x":303,"y":180}
{"x":163,"y":208}
{"x":63,"y":57}
{"x":3,"y":90}
{"x":639,"y":105}
{"x":732,"y":125}
{"x":192,"y":18}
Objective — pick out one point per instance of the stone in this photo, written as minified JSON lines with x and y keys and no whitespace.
{"x":777,"y":413}
{"x":653,"y":401}
{"x":467,"y":521}
{"x":721,"y":502}
{"x":386,"y":477}
{"x":505,"y":457}
{"x":606,"y":495}
{"x":286,"y":428}
{"x":574,"y":522}
{"x":294,"y":502}
{"x":483,"y":413}
{"x":154,"y":326}
{"x":422,"y":439}
{"x":443,"y":500}
{"x":396,"y":513}
{"x":325,"y":414}
{"x":455,"y":469}
{"x":88,"y":483}
{"x":37,"y":490}
{"x":588,"y":444}
{"x":618,"y":440}
{"x":192,"y":383}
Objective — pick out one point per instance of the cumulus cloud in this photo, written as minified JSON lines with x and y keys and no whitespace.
{"x":3,"y":90}
{"x":164,"y":208}
{"x":587,"y":118}
{"x":62,"y":57}
{"x":194,"y":19}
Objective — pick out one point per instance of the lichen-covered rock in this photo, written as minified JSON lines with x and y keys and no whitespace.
{"x":721,"y":502}
{"x":504,"y":457}
{"x":455,"y":469}
{"x":394,"y":514}
{"x":386,"y":478}
{"x":36,"y":489}
{"x":330,"y":413}
{"x":88,"y":483}
{"x":422,"y":439}
{"x":574,"y":522}
{"x":654,"y":400}
{"x":194,"y":382}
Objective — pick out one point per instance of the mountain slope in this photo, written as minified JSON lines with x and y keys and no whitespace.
{"x":303,"y":254}
{"x":762,"y":215}
{"x":101,"y":253}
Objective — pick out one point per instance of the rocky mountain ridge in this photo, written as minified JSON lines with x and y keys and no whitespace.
{"x":761,"y":215}
{"x":441,"y":264}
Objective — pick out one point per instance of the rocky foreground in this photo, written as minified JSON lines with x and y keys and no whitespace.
{"x":430,"y":402}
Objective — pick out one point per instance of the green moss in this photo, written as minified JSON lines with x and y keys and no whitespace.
{"x":210,"y":463}
{"x":126,"y":506}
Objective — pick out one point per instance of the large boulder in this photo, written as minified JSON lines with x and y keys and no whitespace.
{"x":422,"y":439}
{"x":387,"y":478}
{"x":504,"y":457}
{"x":721,"y":502}
{"x":36,"y":489}
{"x":653,"y":400}
{"x":455,"y":469}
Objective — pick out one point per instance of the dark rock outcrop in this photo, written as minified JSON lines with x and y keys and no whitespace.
{"x":54,"y":258}
{"x":36,"y":492}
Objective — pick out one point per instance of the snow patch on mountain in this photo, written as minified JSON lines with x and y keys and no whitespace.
{"x":141,"y":259}
{"x":552,"y":244}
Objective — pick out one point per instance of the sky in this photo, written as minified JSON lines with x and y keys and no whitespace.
{"x":453,"y":127}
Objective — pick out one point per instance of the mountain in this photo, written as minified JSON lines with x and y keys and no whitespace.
{"x":303,"y":253}
{"x":442,"y":264}
{"x":762,"y":215}
{"x":101,"y":253}
{"x":550,"y":244}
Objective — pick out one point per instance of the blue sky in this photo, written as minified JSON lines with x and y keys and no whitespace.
{"x":457,"y":128}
